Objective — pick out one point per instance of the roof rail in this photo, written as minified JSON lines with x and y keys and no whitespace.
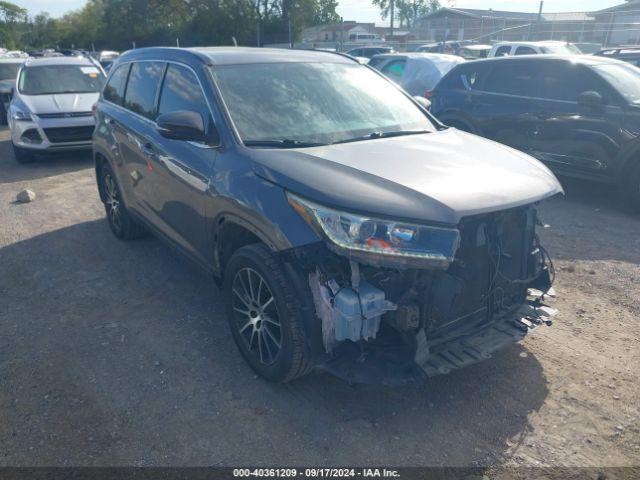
{"x":342,"y":54}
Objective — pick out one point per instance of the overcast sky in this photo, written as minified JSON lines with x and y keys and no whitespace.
{"x":363,"y":11}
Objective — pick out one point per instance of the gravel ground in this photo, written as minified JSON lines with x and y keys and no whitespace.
{"x":117,"y":353}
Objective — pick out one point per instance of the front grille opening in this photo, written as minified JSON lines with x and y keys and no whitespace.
{"x":31,"y":136}
{"x":69,"y":134}
{"x":65,"y":115}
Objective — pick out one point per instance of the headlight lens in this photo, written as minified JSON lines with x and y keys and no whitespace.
{"x":354,"y":232}
{"x":20,"y":116}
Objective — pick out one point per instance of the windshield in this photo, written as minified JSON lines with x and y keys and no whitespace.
{"x":566,"y":49}
{"x":625,"y":78}
{"x":9,"y":71}
{"x":314,"y":102}
{"x":52,"y":79}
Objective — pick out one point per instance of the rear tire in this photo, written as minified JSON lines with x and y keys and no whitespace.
{"x":122,"y":224}
{"x":264,"y":315}
{"x":22,"y":155}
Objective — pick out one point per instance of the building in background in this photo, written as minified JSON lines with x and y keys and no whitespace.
{"x":619,"y":25}
{"x":347,"y":31}
{"x":492,"y":25}
{"x":612,"y":26}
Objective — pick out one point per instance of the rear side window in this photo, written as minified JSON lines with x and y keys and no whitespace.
{"x":513,"y":79}
{"x":375,"y":61}
{"x":395,"y":70}
{"x":114,"y":90}
{"x":503,"y":51}
{"x":525,"y":51}
{"x":142,"y":88}
{"x":181,"y":91}
{"x":463,"y":78}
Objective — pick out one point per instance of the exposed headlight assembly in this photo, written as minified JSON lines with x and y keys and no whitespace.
{"x":20,"y":116}
{"x":365,"y":237}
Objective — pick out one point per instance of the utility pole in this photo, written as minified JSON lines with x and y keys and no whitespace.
{"x":393,"y":6}
{"x":539,"y":20}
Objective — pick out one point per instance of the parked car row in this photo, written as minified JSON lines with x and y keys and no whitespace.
{"x":579,"y":114}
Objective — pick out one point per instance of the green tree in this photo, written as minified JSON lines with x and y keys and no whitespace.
{"x":406,"y":11}
{"x":12,"y":17}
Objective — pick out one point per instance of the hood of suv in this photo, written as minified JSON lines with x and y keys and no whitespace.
{"x":60,"y":103}
{"x":435,"y":177}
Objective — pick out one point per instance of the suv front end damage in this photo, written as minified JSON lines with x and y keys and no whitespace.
{"x":399,"y":319}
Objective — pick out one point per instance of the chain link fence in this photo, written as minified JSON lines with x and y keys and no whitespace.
{"x":591,"y":31}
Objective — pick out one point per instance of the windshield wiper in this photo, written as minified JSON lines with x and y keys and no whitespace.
{"x":286,"y":143}
{"x":372,"y":135}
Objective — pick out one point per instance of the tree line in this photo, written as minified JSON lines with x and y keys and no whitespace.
{"x":123,"y":24}
{"x":406,"y":12}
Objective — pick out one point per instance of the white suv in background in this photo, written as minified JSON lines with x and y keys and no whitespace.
{"x":51,"y":109}
{"x":503,"y":49}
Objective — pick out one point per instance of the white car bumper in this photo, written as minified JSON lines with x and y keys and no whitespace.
{"x":60,"y":133}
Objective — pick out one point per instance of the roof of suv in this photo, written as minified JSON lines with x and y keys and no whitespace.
{"x":582,"y":59}
{"x":239,"y":55}
{"x":539,"y":43}
{"x":45,"y":61}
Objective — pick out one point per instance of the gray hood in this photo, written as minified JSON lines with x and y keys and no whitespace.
{"x":435,"y":177}
{"x":60,"y":103}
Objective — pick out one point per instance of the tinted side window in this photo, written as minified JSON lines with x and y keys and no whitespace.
{"x":513,"y":79}
{"x":142,"y":88}
{"x":395,"y":70}
{"x":181,"y":91}
{"x":464,"y":78}
{"x":375,"y":61}
{"x":565,"y":81}
{"x":525,"y":51}
{"x":114,"y":90}
{"x":503,"y":51}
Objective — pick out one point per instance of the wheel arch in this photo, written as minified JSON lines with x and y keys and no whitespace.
{"x":456,"y":119}
{"x":629,"y":160}
{"x":99,"y":162}
{"x":231,"y":233}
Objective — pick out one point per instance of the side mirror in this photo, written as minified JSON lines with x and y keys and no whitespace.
{"x":187,"y":126}
{"x":424,"y":102}
{"x":590,"y":99}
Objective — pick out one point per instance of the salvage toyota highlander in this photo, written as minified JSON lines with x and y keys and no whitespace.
{"x":350,"y":230}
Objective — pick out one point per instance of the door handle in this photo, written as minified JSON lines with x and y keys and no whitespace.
{"x":148,"y":150}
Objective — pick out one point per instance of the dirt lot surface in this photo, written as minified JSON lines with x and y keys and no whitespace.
{"x":117,"y":353}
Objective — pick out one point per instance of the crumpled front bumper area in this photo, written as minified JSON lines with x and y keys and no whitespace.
{"x":480,"y":345}
{"x":395,"y":326}
{"x":387,"y":363}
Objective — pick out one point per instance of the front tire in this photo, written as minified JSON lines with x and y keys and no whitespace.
{"x":22,"y":155}
{"x":264,"y":315}
{"x":122,"y":224}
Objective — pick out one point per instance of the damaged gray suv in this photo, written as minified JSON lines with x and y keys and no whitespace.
{"x":350,"y":231}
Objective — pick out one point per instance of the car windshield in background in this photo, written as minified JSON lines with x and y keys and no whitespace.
{"x":9,"y":71}
{"x":302,"y":104}
{"x":58,"y":79}
{"x":567,"y":49}
{"x":625,"y":79}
